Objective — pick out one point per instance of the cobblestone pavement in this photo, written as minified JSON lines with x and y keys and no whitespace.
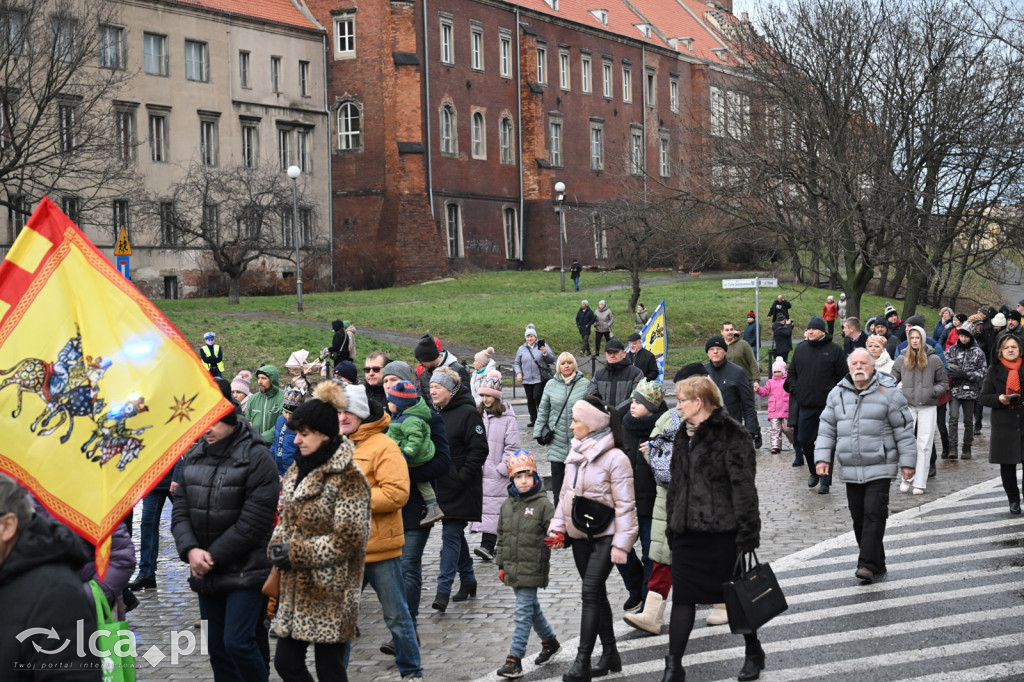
{"x":471,"y":639}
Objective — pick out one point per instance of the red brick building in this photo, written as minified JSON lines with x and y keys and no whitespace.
{"x":452,"y":120}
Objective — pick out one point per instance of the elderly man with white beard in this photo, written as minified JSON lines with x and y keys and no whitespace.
{"x":867,"y":420}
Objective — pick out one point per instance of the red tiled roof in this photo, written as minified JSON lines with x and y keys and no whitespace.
{"x":276,"y":11}
{"x":684,"y":19}
{"x":621,"y":19}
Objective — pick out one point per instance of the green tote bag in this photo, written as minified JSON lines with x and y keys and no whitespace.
{"x":114,"y":638}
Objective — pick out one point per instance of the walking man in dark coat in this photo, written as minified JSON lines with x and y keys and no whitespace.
{"x":737,"y":395}
{"x":585,"y":319}
{"x":641,"y":358}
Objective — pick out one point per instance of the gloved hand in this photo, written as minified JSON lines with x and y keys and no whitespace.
{"x":554,"y":540}
{"x":279,"y":556}
{"x":957,"y":374}
{"x":501,"y":574}
{"x":757,"y":440}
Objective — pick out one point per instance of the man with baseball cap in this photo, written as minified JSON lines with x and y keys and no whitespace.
{"x":614,"y":383}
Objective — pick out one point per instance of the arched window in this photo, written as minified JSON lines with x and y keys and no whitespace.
{"x":479,"y":136}
{"x":448,"y":130}
{"x":349,"y":127}
{"x":506,"y":141}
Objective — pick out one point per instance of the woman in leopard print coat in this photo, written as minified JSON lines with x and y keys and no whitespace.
{"x":320,"y":542}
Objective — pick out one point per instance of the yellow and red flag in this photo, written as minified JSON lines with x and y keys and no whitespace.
{"x":99,"y":393}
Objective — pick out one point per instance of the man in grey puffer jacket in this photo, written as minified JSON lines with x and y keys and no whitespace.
{"x":867,"y":420}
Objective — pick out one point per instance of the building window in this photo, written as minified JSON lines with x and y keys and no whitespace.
{"x":651,"y":87}
{"x":250,"y":144}
{"x":556,"y":143}
{"x":449,"y":144}
{"x":211,"y":223}
{"x":664,"y":164}
{"x":284,"y":148}
{"x":447,"y":46}
{"x":304,"y":78}
{"x":345,"y":36}
{"x":168,"y":224}
{"x":585,"y":76}
{"x":717,"y":112}
{"x":477,"y":47}
{"x":243,"y":69}
{"x":209,"y":142}
{"x":606,"y":79}
{"x":13,"y":32}
{"x":125,"y":135}
{"x":600,"y":237}
{"x":505,"y":44}
{"x":157,"y":138}
{"x":627,"y":84}
{"x":505,"y":140}
{"x":197,"y":61}
{"x":288,"y":227}
{"x":738,"y":115}
{"x":6,"y":120}
{"x":563,"y":69}
{"x":305,"y":226}
{"x":122,"y":218}
{"x":453,"y":220}
{"x":68,"y":127}
{"x":303,"y":157}
{"x":673,"y":94}
{"x":479,"y":133}
{"x":275,"y":74}
{"x":542,"y":65}
{"x":154,"y":54}
{"x":18,"y":214}
{"x":511,"y":234}
{"x":171,"y":287}
{"x":596,"y":146}
{"x":636,"y":151}
{"x":349,"y":130}
{"x":62,"y":30}
{"x":72,"y":208}
{"x":112,"y":48}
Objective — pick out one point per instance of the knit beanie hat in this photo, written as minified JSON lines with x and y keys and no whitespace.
{"x":715,"y":341}
{"x":293,"y":397}
{"x":320,"y":413}
{"x":889,"y":310}
{"x":484,"y":356}
{"x":403,"y":395}
{"x":397,"y":368}
{"x":751,"y":315}
{"x":346,"y":369}
{"x":779,"y":365}
{"x":1013,"y":315}
{"x":491,"y":385}
{"x":530,"y":330}
{"x":965,"y":331}
{"x":358,"y":404}
{"x":817,"y":322}
{"x":231,"y":418}
{"x":242,"y":382}
{"x":875,"y":338}
{"x":426,"y":349}
{"x":999,"y":320}
{"x":694,"y":369}
{"x":915,"y":320}
{"x":447,"y":378}
{"x":649,"y":394}
{"x":520,"y":461}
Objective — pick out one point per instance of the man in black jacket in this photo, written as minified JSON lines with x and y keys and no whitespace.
{"x":818,"y":365}
{"x":854,"y":337}
{"x":585,"y":319}
{"x":222,"y":520}
{"x":737,"y":395}
{"x":41,"y":593}
{"x":780,"y":306}
{"x":641,"y":358}
{"x":613,"y":384}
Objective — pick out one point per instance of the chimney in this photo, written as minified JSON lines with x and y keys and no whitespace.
{"x":725,"y":4}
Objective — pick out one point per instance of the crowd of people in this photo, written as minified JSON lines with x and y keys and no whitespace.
{"x":309,"y":491}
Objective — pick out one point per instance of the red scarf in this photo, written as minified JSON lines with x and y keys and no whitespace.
{"x":1012,"y":377}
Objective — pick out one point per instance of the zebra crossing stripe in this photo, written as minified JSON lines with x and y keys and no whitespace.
{"x":985,"y":672}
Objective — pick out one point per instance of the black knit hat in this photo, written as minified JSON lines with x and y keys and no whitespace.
{"x":694,"y":369}
{"x":426,"y":349}
{"x":715,"y":341}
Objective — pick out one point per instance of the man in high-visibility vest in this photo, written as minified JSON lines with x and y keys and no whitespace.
{"x":212,"y":355}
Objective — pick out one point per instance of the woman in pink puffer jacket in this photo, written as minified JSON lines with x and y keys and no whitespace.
{"x":598,"y":469}
{"x":778,"y":405}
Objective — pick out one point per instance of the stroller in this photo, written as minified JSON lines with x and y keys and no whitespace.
{"x":302,"y":370}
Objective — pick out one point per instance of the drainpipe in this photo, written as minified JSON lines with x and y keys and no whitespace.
{"x":519,"y":140}
{"x":643,"y":120}
{"x":330,"y":173}
{"x":426,"y":83}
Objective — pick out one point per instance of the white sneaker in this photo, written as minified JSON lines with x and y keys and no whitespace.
{"x":919,"y":491}
{"x":905,"y":486}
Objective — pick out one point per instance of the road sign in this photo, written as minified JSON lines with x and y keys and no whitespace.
{"x":122,"y":247}
{"x":750,"y":283}
{"x":123,"y":266}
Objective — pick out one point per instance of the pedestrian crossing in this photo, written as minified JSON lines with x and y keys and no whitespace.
{"x":950,"y":608}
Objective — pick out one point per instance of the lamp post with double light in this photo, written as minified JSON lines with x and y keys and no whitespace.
{"x":560,"y":209}
{"x":294,"y":172}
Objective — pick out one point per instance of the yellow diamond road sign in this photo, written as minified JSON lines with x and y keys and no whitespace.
{"x":122,"y":247}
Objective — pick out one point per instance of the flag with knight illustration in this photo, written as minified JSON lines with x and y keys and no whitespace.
{"x":99,"y":393}
{"x":654,"y":337}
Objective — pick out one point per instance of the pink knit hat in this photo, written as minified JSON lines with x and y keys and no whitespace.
{"x":241,"y":382}
{"x":484,"y":356}
{"x":779,"y":365}
{"x":491,"y":384}
{"x":592,"y":417}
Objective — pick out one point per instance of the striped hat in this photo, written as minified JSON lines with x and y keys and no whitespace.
{"x":491,"y":384}
{"x":403,"y":394}
{"x":521,"y":461}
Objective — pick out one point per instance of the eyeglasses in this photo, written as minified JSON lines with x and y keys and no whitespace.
{"x":373,"y":369}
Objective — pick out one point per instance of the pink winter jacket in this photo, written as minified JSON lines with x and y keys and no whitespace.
{"x":605,"y":475}
{"x":778,"y":397}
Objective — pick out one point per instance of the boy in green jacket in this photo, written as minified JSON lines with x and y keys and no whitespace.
{"x":523,"y":559}
{"x":410,"y":428}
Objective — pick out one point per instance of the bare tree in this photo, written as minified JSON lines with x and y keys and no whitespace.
{"x":62,"y":64}
{"x":236,"y":215}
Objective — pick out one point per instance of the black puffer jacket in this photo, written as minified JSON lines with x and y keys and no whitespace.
{"x":39,"y":589}
{"x":816,"y":367}
{"x":414,"y":509}
{"x":637,"y":430}
{"x":460,"y":492}
{"x":737,"y":395}
{"x":613,"y":384}
{"x":225,"y":503}
{"x":712,"y":489}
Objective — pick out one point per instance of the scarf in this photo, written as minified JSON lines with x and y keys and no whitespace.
{"x":306,"y":463}
{"x":1012,"y":377}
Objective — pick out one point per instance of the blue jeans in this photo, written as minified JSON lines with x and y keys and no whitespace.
{"x":637,"y":570}
{"x":149,"y":531}
{"x":385,"y":577}
{"x":454,"y":556}
{"x":528,"y":617}
{"x":412,"y":567}
{"x":231,"y":633}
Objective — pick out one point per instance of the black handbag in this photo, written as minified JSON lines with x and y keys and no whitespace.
{"x":590,"y":516}
{"x":545,"y":372}
{"x":547,"y":434}
{"x":753,"y":597}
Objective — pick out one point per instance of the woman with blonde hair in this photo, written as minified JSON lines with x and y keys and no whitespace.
{"x":876,"y":346}
{"x":923,"y":381}
{"x":555,"y":413}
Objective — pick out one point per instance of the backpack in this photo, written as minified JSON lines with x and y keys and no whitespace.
{"x":660,"y":452}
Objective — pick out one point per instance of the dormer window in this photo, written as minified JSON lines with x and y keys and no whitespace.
{"x":553,"y":4}
{"x":601,"y":15}
{"x":719,"y":52}
{"x":645,"y":29}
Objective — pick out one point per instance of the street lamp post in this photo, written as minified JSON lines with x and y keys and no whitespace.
{"x":560,"y":208}
{"x":294,"y":172}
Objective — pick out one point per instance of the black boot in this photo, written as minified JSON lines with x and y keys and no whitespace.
{"x":753,"y":664}
{"x":580,"y":670}
{"x":673,"y":671}
{"x":610,"y":660}
{"x":466,"y":590}
{"x":440,"y":602}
